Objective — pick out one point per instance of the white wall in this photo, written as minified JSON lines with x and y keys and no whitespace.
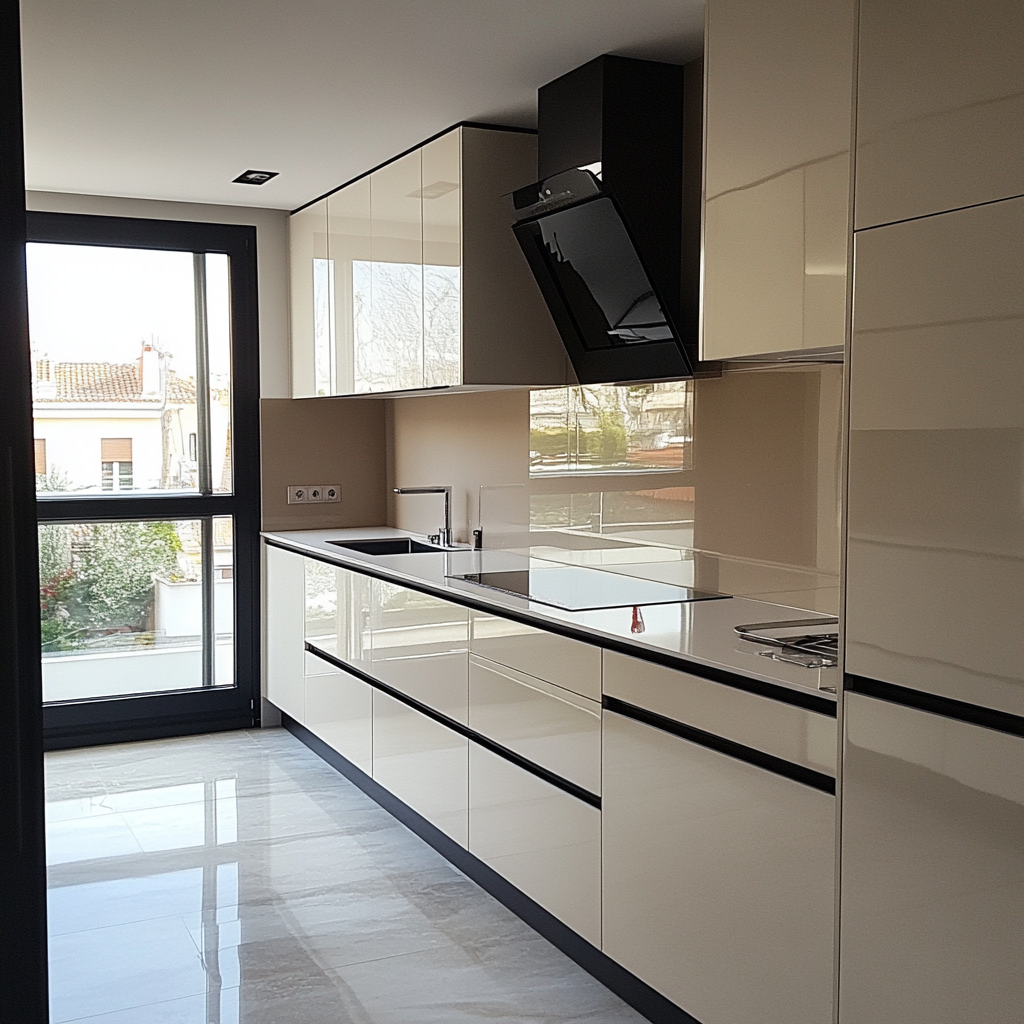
{"x":272,"y":255}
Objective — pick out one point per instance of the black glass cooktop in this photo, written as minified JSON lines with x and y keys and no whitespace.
{"x":579,"y":589}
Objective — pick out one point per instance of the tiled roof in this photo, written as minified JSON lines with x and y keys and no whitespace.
{"x":106,"y":382}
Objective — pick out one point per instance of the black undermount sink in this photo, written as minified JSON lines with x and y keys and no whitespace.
{"x":387,"y":546}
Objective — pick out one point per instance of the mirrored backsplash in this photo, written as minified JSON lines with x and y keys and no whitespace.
{"x":729,"y":484}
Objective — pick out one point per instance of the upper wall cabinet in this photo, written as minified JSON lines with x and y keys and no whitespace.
{"x":778,"y":108}
{"x":940,"y":106}
{"x":410,"y":277}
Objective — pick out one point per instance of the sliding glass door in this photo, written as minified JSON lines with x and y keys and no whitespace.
{"x":145,"y":401}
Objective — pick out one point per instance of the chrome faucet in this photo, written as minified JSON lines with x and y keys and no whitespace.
{"x":444,"y":538}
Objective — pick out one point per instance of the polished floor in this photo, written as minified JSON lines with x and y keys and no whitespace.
{"x":237,"y":879}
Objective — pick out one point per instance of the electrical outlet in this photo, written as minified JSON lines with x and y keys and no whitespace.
{"x":331,"y":492}
{"x":298,"y":494}
{"x":316,"y":493}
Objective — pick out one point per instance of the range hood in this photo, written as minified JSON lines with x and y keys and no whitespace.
{"x":611,"y":229}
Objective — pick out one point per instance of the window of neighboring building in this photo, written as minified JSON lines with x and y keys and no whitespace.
{"x":40,"y":456}
{"x":116,"y":456}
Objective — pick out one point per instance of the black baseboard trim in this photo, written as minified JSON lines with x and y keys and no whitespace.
{"x":933,"y":703}
{"x":627,"y":986}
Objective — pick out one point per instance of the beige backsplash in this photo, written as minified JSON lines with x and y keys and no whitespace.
{"x":765,"y":482}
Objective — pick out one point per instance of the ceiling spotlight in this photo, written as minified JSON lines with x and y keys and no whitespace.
{"x":255,"y":177}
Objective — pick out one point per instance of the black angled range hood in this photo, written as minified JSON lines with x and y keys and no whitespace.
{"x":612,"y":228}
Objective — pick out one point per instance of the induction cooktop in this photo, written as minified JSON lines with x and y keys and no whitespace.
{"x":579,"y":589}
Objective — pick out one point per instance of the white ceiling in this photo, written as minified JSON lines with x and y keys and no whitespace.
{"x":171,"y":99}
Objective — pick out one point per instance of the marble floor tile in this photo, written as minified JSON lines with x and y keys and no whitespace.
{"x":238,"y":879}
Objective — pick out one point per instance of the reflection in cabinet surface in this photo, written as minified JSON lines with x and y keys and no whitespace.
{"x":423,"y":763}
{"x":544,"y":841}
{"x":940,"y":106}
{"x":778,"y":111}
{"x":932,"y":922}
{"x":718,"y":884}
{"x":421,"y":647}
{"x":409,"y":277}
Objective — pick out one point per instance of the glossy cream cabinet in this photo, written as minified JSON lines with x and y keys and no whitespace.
{"x":718,"y":879}
{"x":548,"y":725}
{"x":940,"y":106}
{"x":284,"y":630}
{"x":567,"y":663}
{"x":932,"y":922}
{"x":543,"y":840}
{"x":935,"y":547}
{"x":420,"y":646}
{"x":718,"y":874}
{"x":410,"y":277}
{"x":777,"y":176}
{"x":424,"y":763}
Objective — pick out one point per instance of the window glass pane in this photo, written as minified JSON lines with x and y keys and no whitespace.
{"x":224,"y":600}
{"x":121,"y":607}
{"x":218,"y":305}
{"x":638,"y":428}
{"x":114,"y":368}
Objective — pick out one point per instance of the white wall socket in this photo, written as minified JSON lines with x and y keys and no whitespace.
{"x":302,"y":494}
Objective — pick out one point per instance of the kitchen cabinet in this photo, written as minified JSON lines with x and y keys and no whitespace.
{"x":568,"y":663}
{"x":778,"y":110}
{"x":940,"y":107}
{"x":337,"y":612}
{"x":409,"y":277}
{"x":718,"y":874}
{"x":422,"y":762}
{"x":932,"y":892}
{"x":420,"y":646}
{"x":339,"y":709}
{"x":546,"y":842}
{"x":552,"y":727}
{"x":283,"y":629}
{"x":310,"y":291}
{"x":935,"y":544}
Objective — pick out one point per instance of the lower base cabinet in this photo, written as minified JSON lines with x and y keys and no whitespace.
{"x":543,"y":840}
{"x":932,"y":922}
{"x":718,"y":886}
{"x":423,"y":763}
{"x":339,"y":709}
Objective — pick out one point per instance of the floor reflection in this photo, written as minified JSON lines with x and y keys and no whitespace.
{"x":237,"y":879}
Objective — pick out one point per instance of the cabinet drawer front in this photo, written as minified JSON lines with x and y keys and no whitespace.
{"x":557,"y":659}
{"x":552,"y":727}
{"x":337,"y":612}
{"x":339,"y":709}
{"x":424,"y":763}
{"x":544,"y":841}
{"x":796,"y":735}
{"x":718,"y":879}
{"x":420,"y":646}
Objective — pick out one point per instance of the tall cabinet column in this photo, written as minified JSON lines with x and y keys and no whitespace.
{"x":932,"y":867}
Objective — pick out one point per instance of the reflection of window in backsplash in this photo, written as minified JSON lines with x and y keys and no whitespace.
{"x":638,"y":428}
{"x":662,"y":515}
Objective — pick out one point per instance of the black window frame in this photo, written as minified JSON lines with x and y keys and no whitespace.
{"x":184,"y":712}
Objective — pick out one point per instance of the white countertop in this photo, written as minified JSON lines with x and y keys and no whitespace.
{"x":699,"y":632}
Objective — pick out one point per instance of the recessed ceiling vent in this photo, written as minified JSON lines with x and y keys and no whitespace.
{"x":255,"y":177}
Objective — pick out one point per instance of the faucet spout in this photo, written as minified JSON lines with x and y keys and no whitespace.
{"x":446,"y":530}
